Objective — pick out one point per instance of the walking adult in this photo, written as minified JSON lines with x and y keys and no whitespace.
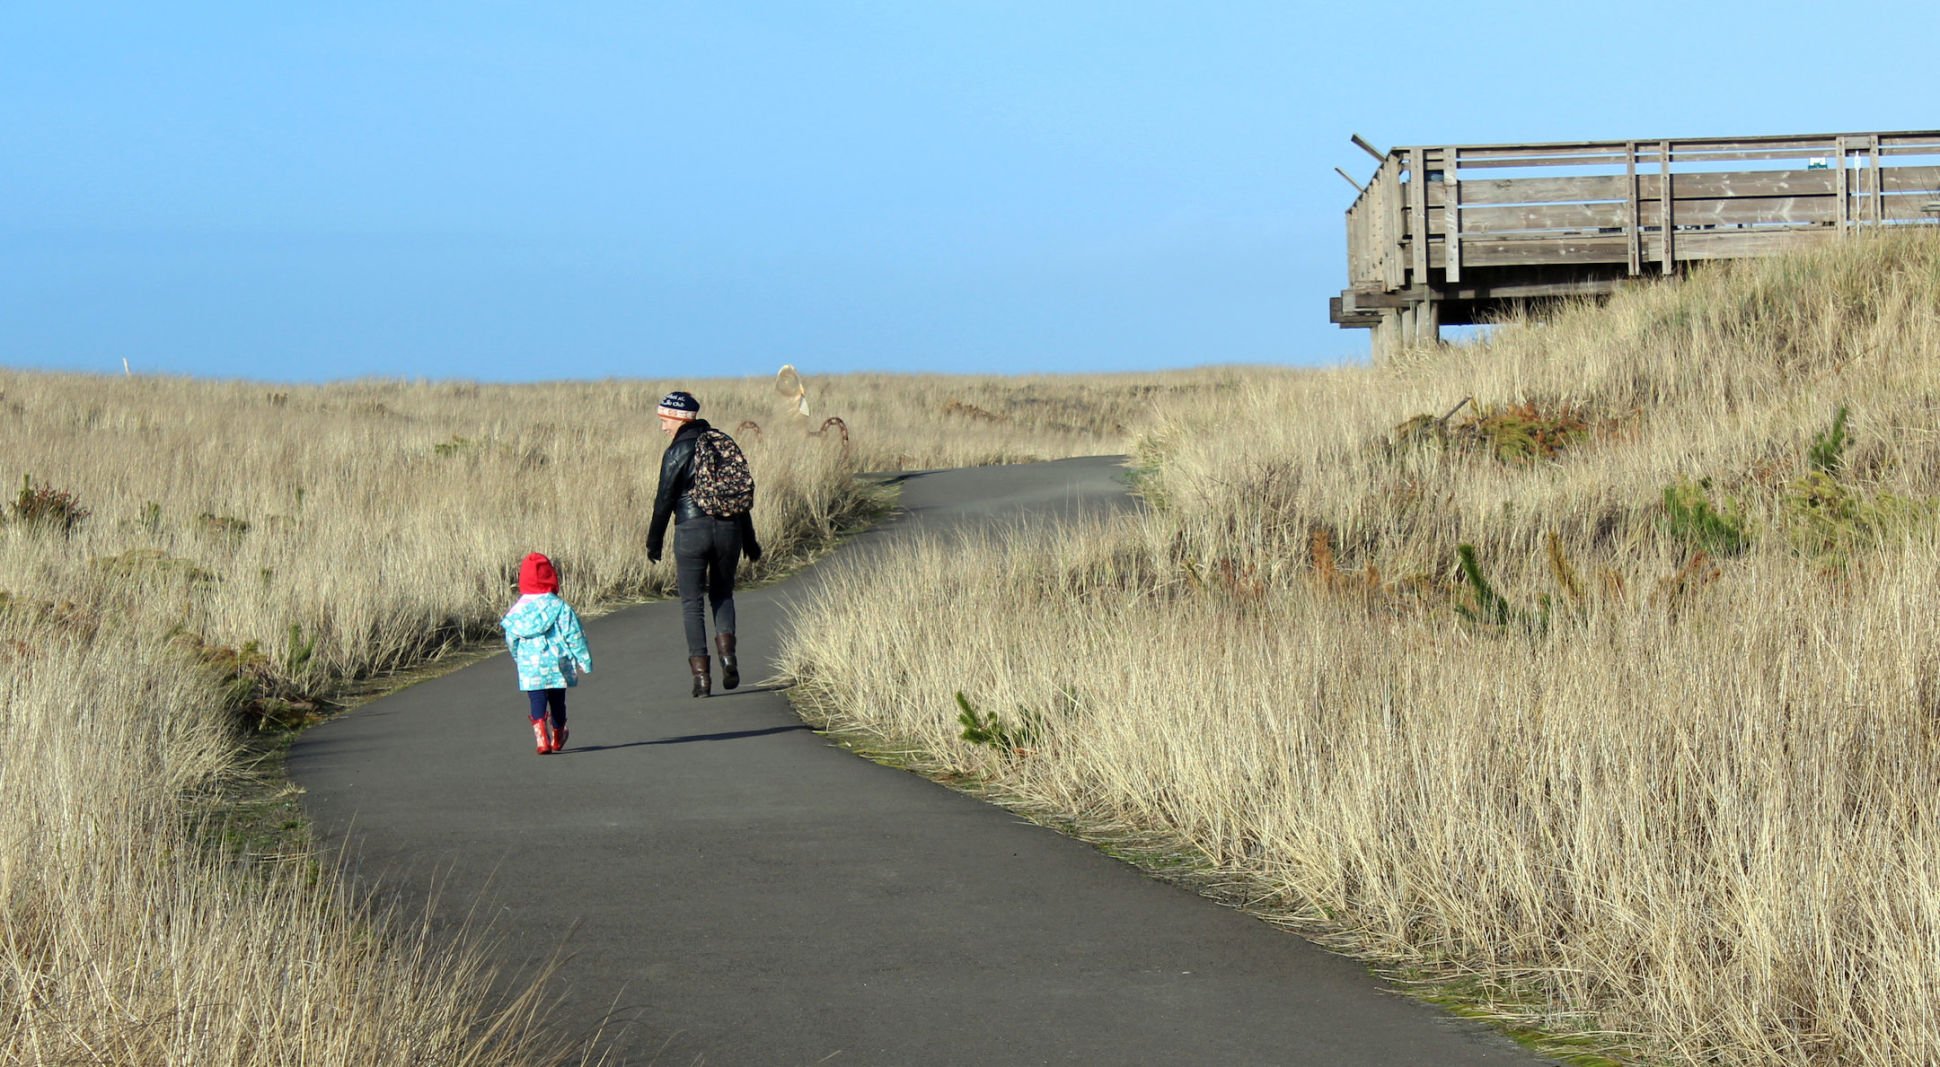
{"x":705,"y":488}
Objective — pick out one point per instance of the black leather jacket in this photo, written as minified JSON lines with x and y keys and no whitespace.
{"x":672,"y":501}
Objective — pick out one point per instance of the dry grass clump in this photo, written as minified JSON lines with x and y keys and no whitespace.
{"x":1667,"y":383}
{"x":1633,"y":766}
{"x":926,"y":421}
{"x":128,"y":939}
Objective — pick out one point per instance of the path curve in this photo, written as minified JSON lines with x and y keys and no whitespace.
{"x":747,"y":893}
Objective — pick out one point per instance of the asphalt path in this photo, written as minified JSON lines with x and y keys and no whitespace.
{"x":728,"y":887}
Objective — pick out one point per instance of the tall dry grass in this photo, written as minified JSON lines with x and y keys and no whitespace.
{"x":1671,"y":791}
{"x":126,"y":937}
{"x":247,"y":550}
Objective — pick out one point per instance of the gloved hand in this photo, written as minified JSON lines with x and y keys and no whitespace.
{"x":653,"y":553}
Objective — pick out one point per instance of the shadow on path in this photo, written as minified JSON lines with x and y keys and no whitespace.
{"x":689,"y":739}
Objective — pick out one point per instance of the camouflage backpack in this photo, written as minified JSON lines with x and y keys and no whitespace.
{"x":723,"y":487}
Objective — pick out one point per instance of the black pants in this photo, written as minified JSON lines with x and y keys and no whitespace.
{"x":541,"y":699}
{"x":706,"y":553}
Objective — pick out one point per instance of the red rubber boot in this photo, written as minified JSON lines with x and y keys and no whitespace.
{"x":541,"y":734}
{"x":559,"y":738}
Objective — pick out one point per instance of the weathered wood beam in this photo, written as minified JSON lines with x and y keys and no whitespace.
{"x":1394,"y":237}
{"x":1483,"y":292}
{"x":1418,"y":213}
{"x":1562,"y":220}
{"x":1451,"y":190}
{"x":1633,"y":217}
{"x":1386,"y":336}
{"x":1741,"y":185}
{"x":1364,"y":298}
{"x":1878,"y":186}
{"x":1669,"y":262}
{"x":1348,"y":318}
{"x":1796,"y":144}
{"x":1842,"y":187}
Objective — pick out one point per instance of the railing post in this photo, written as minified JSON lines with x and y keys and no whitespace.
{"x":1668,"y":223}
{"x":1879,"y":184}
{"x":1452,"y":213}
{"x":1395,"y":273}
{"x":1418,"y":207}
{"x":1633,"y":222}
{"x":1842,"y":186}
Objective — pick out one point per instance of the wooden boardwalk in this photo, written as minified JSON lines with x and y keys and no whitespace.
{"x":1456,"y":234}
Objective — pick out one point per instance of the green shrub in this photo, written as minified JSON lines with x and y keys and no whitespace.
{"x":300,"y":651}
{"x":1828,"y":452}
{"x":1690,"y":518}
{"x":1489,"y":607}
{"x":44,"y":507}
{"x":1514,"y":433}
{"x":262,"y":693}
{"x":992,"y":732}
{"x":1525,"y":433}
{"x":1827,"y":518}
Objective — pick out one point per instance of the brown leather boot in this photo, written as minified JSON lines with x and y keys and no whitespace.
{"x":702,"y":683}
{"x":730,"y":671}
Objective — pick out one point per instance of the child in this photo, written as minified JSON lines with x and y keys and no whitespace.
{"x":548,"y":647}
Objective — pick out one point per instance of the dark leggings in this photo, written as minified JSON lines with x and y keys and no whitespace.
{"x":706,"y":552}
{"x":540,"y":698}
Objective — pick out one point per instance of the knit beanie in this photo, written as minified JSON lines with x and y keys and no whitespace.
{"x":536,"y":575}
{"x":679,"y":405}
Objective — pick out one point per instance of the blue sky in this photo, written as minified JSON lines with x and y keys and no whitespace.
{"x":516,"y":191}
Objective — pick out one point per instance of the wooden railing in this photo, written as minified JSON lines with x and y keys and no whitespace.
{"x":1631,"y":207}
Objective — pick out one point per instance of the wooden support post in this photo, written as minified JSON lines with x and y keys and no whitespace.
{"x":1879,"y":187}
{"x":1418,"y":210}
{"x":1452,"y":211}
{"x":1841,"y":185}
{"x":1397,"y":271}
{"x":1633,"y":218}
{"x":1664,"y":202}
{"x":1385,"y":336}
{"x":1408,"y":338}
{"x":1428,"y":323}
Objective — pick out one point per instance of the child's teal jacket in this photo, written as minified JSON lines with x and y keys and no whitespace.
{"x":547,"y":643}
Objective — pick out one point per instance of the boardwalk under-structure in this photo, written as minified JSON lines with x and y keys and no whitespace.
{"x":1459,"y":234}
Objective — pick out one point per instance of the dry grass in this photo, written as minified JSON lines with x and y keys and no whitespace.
{"x":926,"y":421}
{"x":249,"y":548}
{"x":1668,"y":788}
{"x":128,"y":939}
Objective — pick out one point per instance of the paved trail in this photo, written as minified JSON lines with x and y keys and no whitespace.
{"x":746,"y":893}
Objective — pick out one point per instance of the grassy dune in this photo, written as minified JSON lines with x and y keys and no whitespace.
{"x":190,"y":561}
{"x":1658,"y":769}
